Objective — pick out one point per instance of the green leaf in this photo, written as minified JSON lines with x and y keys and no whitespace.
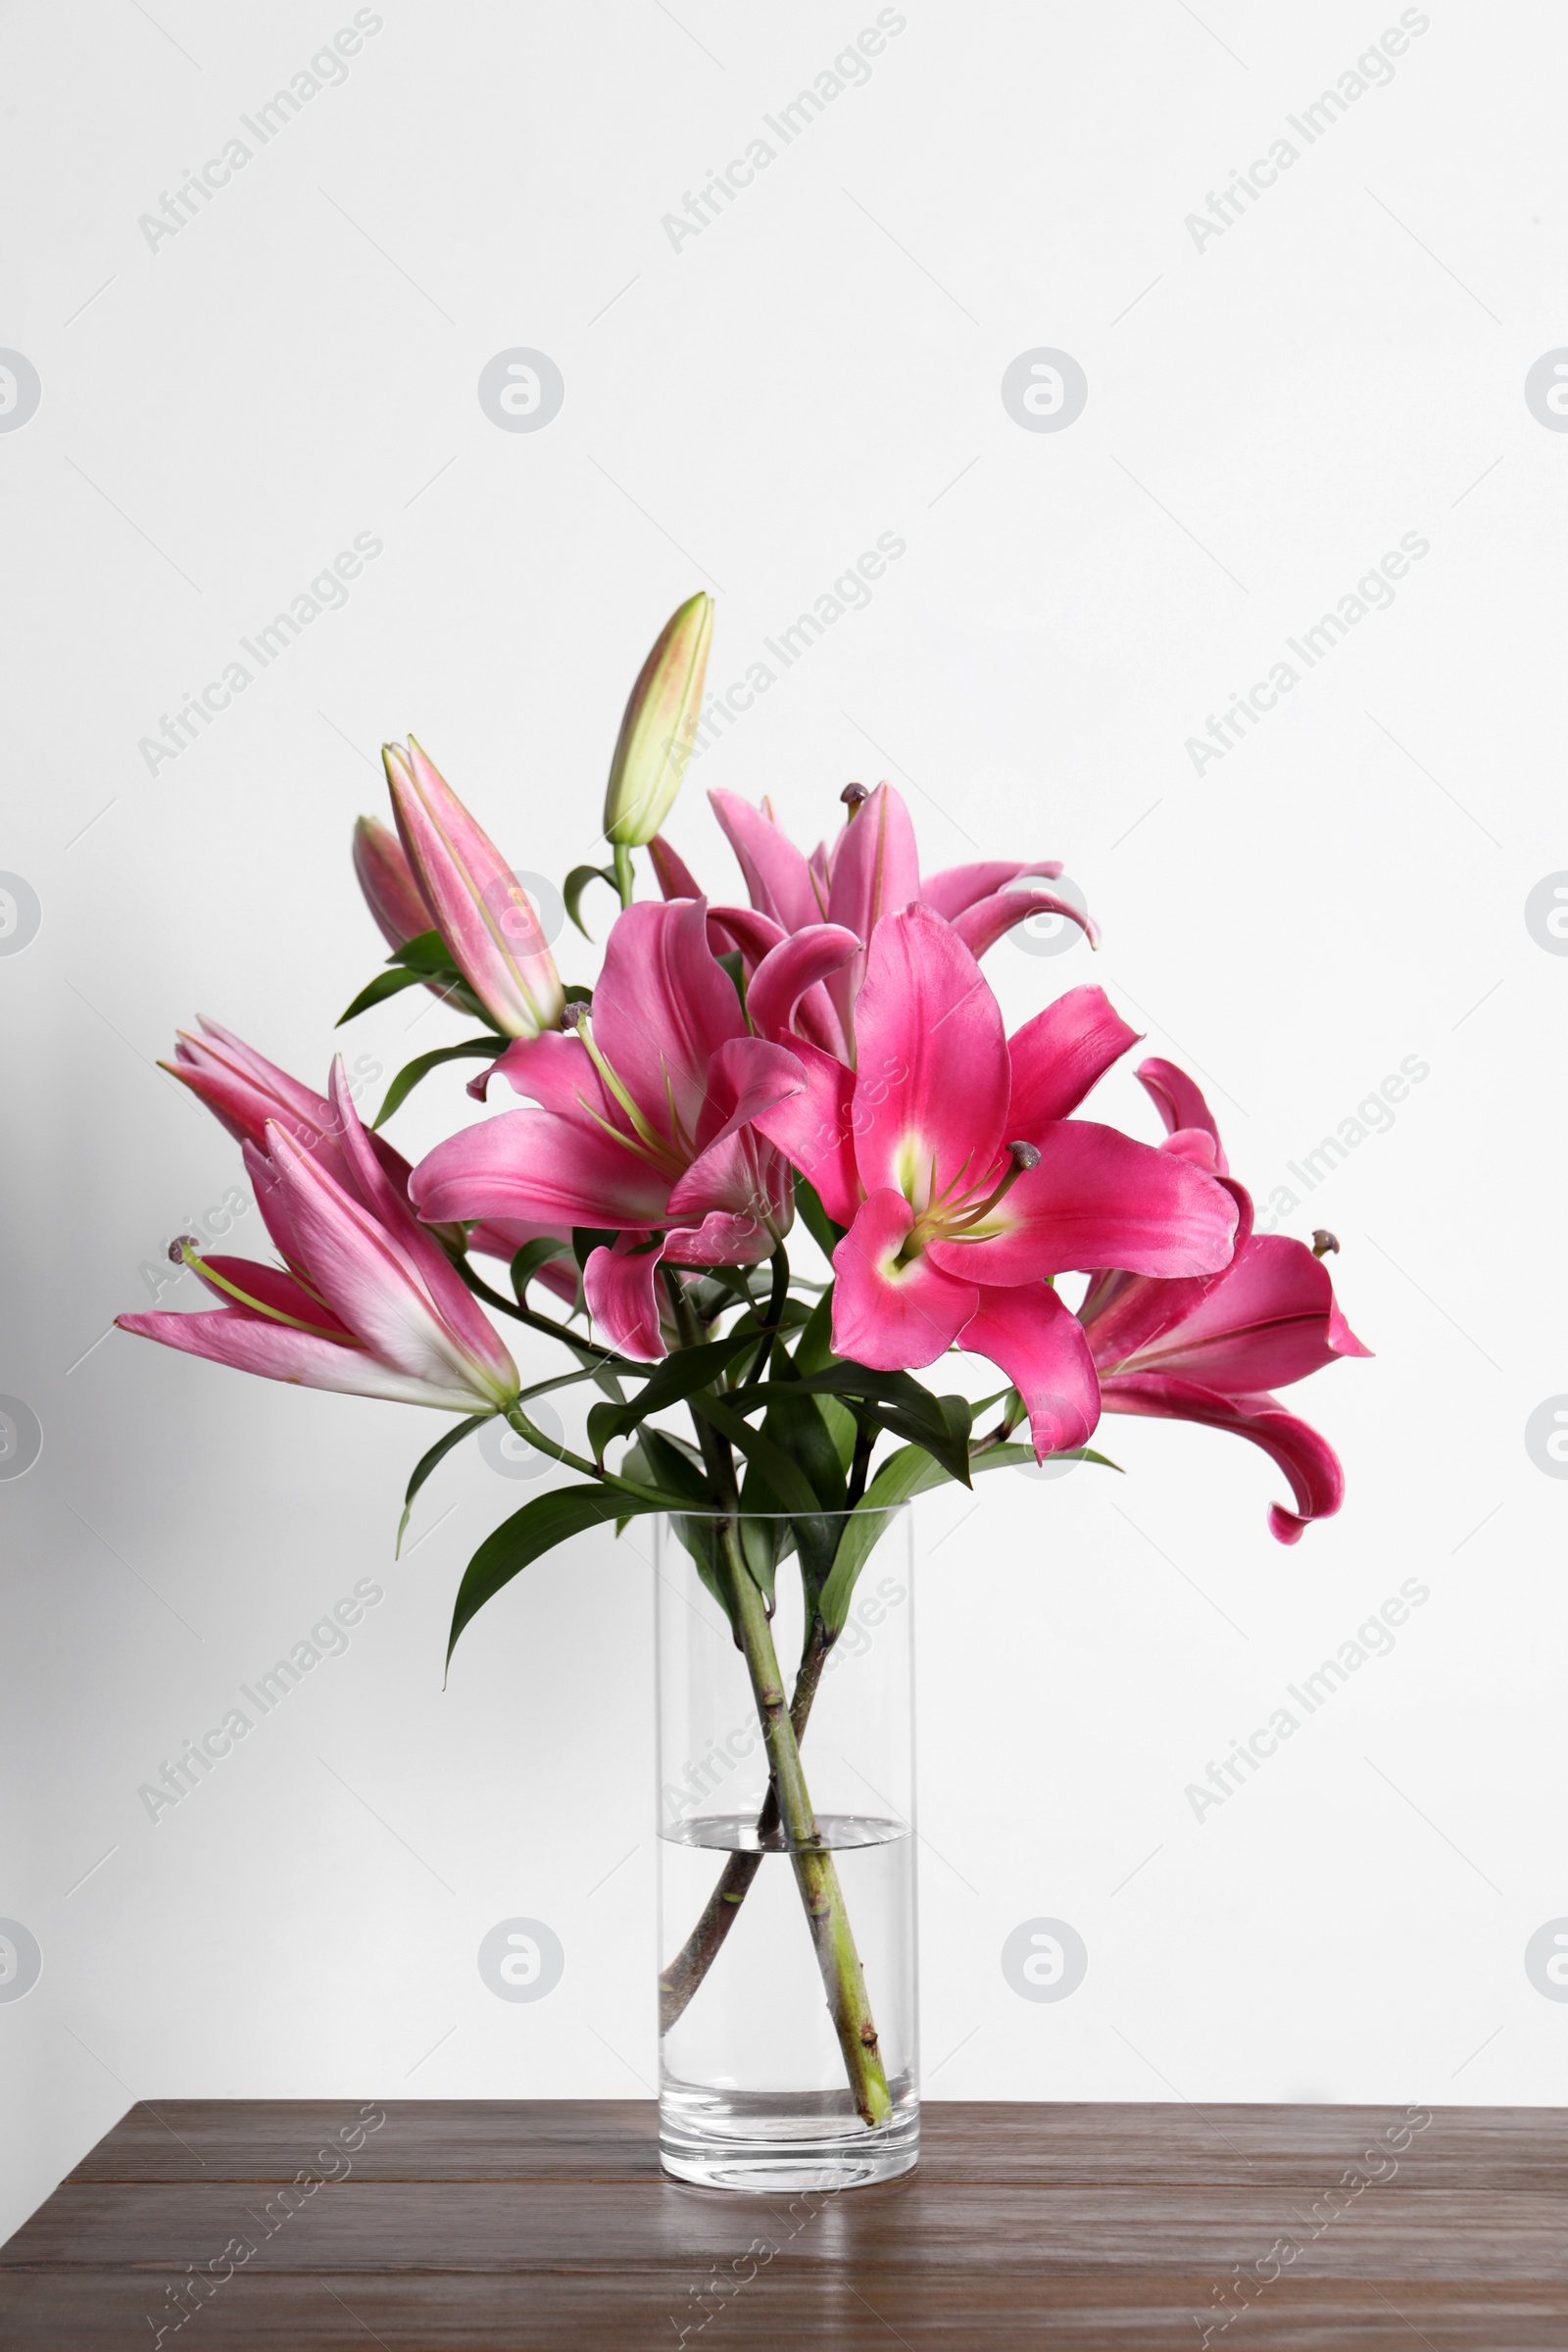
{"x":409,"y":1077}
{"x":586,"y":1239}
{"x":541,"y":1524}
{"x":800,"y":1427}
{"x":815,"y":1217}
{"x":786,"y":1478}
{"x":779,"y":1485}
{"x":576,"y":883}
{"x":604,"y":1423}
{"x":910,"y":1472}
{"x":734,"y":963}
{"x":429,"y":954}
{"x":678,"y":1467}
{"x":816,"y":1350}
{"x":532,"y":1256}
{"x":669,"y":1383}
{"x":840,"y":1428}
{"x":384,"y":985}
{"x":634,"y":1463}
{"x":427,"y":1462}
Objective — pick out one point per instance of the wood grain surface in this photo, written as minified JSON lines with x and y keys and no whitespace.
{"x":547,"y":2228}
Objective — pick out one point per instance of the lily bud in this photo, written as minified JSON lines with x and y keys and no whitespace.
{"x":660,"y":723}
{"x":387,"y":880}
{"x":478,"y":905}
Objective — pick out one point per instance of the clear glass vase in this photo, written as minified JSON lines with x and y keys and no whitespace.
{"x":788,"y":2051}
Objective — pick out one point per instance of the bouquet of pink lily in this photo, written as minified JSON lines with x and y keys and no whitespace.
{"x":829,"y":1052}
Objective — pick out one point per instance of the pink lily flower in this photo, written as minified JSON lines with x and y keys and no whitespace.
{"x":369,"y":1304}
{"x":871,"y":869}
{"x":245,"y":1092}
{"x":387,"y":879}
{"x":950,"y":1157}
{"x":481,"y":911}
{"x":1212,"y":1349}
{"x":643,"y":1126}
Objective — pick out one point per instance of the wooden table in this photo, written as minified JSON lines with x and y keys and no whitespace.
{"x":547,"y":2228}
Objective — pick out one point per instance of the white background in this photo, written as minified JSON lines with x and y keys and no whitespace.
{"x":1267,"y":415}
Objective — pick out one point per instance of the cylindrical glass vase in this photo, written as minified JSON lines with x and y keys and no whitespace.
{"x":788,"y":2049}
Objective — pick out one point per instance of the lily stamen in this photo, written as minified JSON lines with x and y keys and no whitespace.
{"x":1023,"y":1156}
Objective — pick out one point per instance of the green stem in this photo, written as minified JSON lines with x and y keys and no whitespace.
{"x":599,"y":1356}
{"x":775,"y":1316}
{"x":518,"y":1420}
{"x":815,"y":1871}
{"x":691,"y":1964}
{"x":865,"y":1438}
{"x":625,"y":881}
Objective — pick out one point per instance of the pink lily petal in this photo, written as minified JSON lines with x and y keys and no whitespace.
{"x":742,"y":927}
{"x":622,"y":1287}
{"x":1179,"y":1103}
{"x":674,"y":875}
{"x":385,"y":1290}
{"x":792,"y":968}
{"x":275,"y":1353}
{"x":1060,"y":1055}
{"x":661,"y":1009}
{"x":893,"y":1317}
{"x":1098,"y":1199}
{"x":778,"y":880}
{"x":1040,"y":1345}
{"x":877,"y":868}
{"x":960,"y":886}
{"x":1197,"y":1144}
{"x":816,"y":1130}
{"x":273,"y":1292}
{"x":1268,"y":1320}
{"x":737,"y":1170}
{"x":981,"y":926}
{"x":243,"y":1090}
{"x":537,"y":1165}
{"x":502,"y":1238}
{"x":272,"y":1202}
{"x":480,"y":911}
{"x":876,"y":871}
{"x":933,"y":1084}
{"x":1307,"y":1459}
{"x":387,"y":1201}
{"x":387,"y":879}
{"x":1126,"y":1313}
{"x":555,"y":1070}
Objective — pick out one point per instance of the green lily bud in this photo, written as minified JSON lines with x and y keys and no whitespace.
{"x":656,"y":732}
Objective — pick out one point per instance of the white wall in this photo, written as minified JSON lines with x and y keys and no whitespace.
{"x":1268,"y":413}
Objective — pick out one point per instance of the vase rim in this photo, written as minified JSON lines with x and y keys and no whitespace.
{"x":878,"y":1510}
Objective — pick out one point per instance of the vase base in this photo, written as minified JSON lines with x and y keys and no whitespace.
{"x":792,"y":2163}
